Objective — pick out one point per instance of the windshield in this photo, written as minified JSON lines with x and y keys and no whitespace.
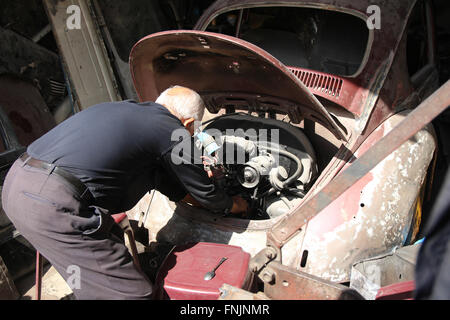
{"x":321,"y":40}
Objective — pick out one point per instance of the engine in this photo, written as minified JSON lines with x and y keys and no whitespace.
{"x":268,"y":162}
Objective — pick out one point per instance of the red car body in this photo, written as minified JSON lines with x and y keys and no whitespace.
{"x":343,"y":115}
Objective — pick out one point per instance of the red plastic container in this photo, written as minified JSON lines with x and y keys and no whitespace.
{"x":181,"y":276}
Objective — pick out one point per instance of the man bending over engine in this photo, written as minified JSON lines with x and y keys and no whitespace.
{"x":61,"y":193}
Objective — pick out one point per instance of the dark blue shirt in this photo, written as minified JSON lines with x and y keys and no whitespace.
{"x":121,"y":150}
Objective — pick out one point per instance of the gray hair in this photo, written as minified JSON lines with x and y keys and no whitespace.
{"x":183,"y":102}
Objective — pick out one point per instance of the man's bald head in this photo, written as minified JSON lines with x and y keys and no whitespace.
{"x":183,"y":102}
{"x":178,"y":90}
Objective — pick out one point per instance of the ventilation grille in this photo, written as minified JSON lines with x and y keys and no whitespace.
{"x":325,"y":84}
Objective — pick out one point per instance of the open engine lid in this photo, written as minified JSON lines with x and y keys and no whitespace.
{"x":223,"y":69}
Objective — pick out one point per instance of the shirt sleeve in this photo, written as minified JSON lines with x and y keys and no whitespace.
{"x":196,"y":181}
{"x":169,"y":185}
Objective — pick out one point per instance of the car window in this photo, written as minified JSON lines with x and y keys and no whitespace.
{"x":417,"y":41}
{"x":322,"y":40}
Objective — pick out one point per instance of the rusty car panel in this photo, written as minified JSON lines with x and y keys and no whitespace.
{"x":284,"y":283}
{"x":381,"y":216}
{"x":354,"y":111}
{"x":384,"y":41}
{"x":397,"y":189}
{"x":379,"y":212}
{"x":84,"y":54}
{"x":382,"y":83}
{"x":179,"y":57}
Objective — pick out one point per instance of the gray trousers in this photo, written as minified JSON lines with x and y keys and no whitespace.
{"x":75,"y":237}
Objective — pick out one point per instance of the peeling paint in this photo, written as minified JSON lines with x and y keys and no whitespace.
{"x":383,"y":222}
{"x":377,"y":226}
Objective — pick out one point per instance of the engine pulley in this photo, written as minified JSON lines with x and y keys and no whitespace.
{"x":254,"y":169}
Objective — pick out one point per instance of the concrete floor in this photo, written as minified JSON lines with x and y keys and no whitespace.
{"x":53,"y":286}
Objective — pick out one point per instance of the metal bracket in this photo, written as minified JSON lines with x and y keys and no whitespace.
{"x":263,"y":257}
{"x":287,"y":283}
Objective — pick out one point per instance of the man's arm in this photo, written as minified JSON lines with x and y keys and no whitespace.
{"x":169,"y":185}
{"x":196,"y":182}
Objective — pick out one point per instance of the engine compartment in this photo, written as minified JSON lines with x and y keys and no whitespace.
{"x":268,"y":162}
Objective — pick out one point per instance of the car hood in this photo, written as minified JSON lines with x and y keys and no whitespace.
{"x":223,"y":68}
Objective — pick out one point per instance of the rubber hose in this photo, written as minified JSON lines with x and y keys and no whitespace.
{"x":296,"y":174}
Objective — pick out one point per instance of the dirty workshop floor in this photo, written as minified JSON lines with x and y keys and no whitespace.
{"x":53,"y":286}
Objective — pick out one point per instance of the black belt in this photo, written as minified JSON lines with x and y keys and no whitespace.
{"x":79,"y":187}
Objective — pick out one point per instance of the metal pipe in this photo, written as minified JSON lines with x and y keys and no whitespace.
{"x":142,"y":223}
{"x":286,"y":202}
{"x":239,"y":22}
{"x":38,"y":36}
{"x":134,"y":252}
{"x":297,"y":172}
{"x":39,"y":267}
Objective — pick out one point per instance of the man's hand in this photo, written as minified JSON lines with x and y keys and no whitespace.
{"x":239,"y":205}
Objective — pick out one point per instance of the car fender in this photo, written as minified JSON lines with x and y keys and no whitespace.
{"x":373,"y":216}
